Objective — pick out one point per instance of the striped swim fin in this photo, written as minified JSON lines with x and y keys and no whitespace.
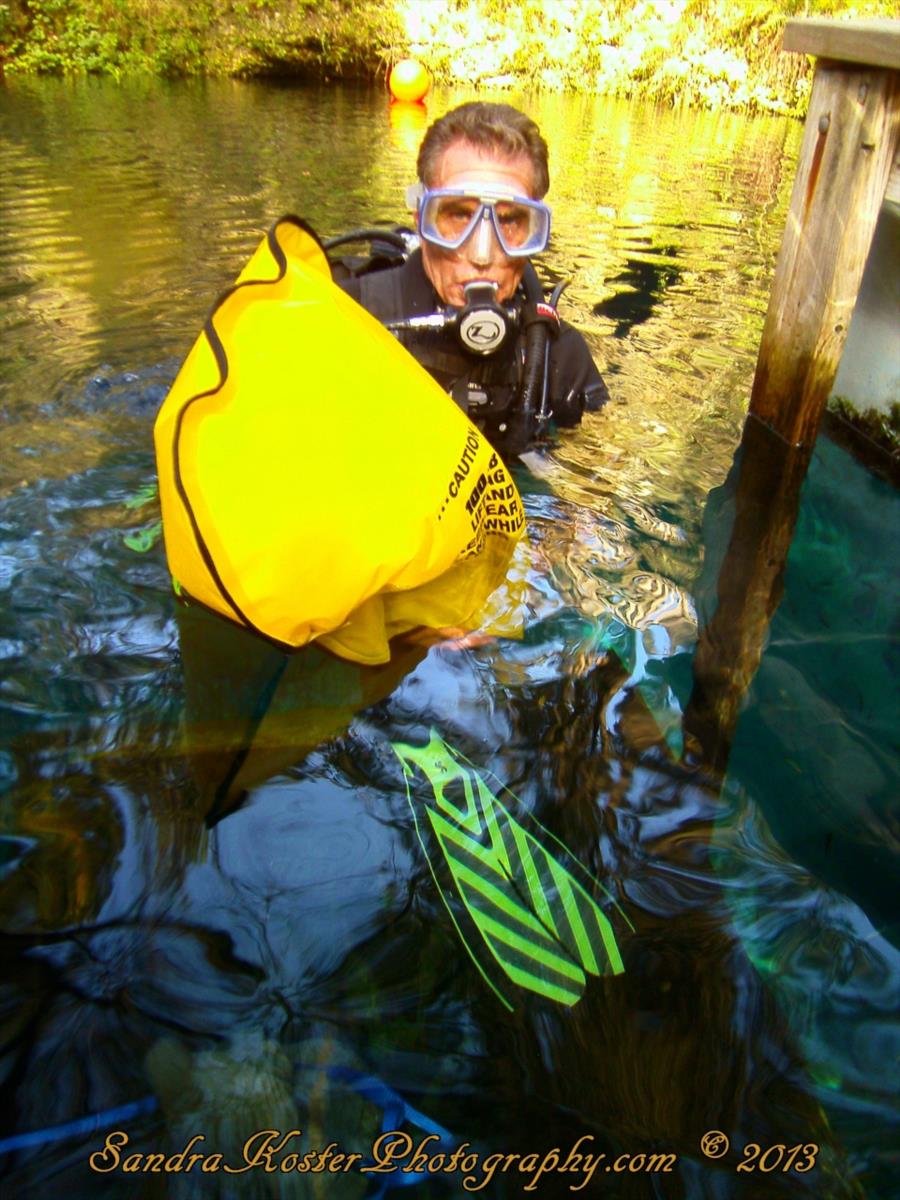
{"x":532,"y":910}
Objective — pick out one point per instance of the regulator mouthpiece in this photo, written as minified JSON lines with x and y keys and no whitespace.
{"x":483,"y":324}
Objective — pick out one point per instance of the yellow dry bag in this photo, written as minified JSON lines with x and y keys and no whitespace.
{"x":315,"y":481}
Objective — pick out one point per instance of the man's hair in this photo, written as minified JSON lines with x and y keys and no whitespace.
{"x":499,"y":129}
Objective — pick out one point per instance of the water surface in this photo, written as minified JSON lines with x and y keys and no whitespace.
{"x":229,"y":972}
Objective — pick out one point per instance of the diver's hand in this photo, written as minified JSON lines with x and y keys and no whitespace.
{"x":450,"y":636}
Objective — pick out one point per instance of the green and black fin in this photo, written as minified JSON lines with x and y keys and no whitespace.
{"x":531,"y":910}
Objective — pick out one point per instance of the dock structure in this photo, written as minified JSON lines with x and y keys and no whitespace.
{"x":848,"y":155}
{"x":846,"y":167}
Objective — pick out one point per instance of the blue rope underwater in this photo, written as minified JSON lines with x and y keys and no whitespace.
{"x":394,"y":1109}
{"x":395,"y":1112}
{"x":82,"y":1125}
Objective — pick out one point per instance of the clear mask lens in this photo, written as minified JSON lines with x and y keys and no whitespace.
{"x":448,"y":218}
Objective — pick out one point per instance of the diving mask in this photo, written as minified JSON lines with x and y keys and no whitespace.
{"x":448,"y":217}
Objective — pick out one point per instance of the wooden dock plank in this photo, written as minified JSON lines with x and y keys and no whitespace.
{"x":874,"y":41}
{"x":847,"y":153}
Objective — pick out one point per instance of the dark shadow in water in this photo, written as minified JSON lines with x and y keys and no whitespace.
{"x":764,"y":491}
{"x":647,"y":281}
{"x":251,"y":711}
{"x":797,"y":662}
{"x":686,"y":1041}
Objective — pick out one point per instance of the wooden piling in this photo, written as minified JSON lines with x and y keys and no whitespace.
{"x":848,"y":150}
{"x":849,"y":146}
{"x":766,"y":496}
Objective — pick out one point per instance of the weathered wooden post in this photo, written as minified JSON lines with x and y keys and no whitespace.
{"x":849,"y":146}
{"x":848,"y":149}
{"x":766,"y":497}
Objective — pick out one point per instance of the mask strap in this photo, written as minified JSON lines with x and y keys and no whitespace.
{"x":414,"y":194}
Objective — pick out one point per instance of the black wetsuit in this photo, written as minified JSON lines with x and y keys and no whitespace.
{"x":484,"y":387}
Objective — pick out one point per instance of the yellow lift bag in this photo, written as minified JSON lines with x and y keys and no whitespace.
{"x":315,"y":481}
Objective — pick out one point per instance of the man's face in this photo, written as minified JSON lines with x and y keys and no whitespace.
{"x":479,"y":257}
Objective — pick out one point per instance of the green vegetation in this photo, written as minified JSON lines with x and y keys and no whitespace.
{"x":706,"y":53}
{"x":69,"y":37}
{"x":709,"y":53}
{"x":882,"y":428}
{"x":305,"y":38}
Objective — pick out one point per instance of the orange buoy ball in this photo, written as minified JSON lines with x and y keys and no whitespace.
{"x":408,"y":80}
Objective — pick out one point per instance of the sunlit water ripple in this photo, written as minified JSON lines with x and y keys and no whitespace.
{"x":757,"y":998}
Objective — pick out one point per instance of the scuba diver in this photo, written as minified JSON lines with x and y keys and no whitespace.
{"x":465,"y":299}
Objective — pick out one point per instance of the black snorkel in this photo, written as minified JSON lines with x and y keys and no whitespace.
{"x":395,"y":241}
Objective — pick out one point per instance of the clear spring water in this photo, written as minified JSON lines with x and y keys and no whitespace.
{"x":231,"y":973}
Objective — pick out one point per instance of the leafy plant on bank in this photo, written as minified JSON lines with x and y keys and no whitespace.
{"x":707,"y":53}
{"x":56,"y":37}
{"x":192,"y":37}
{"x":108,"y":37}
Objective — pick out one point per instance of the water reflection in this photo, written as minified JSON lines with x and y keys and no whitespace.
{"x":408,"y":124}
{"x":308,"y":914}
{"x":230,"y":972}
{"x":252,"y":710}
{"x":647,"y":282}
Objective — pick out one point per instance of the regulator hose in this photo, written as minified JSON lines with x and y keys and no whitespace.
{"x":398,"y":237}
